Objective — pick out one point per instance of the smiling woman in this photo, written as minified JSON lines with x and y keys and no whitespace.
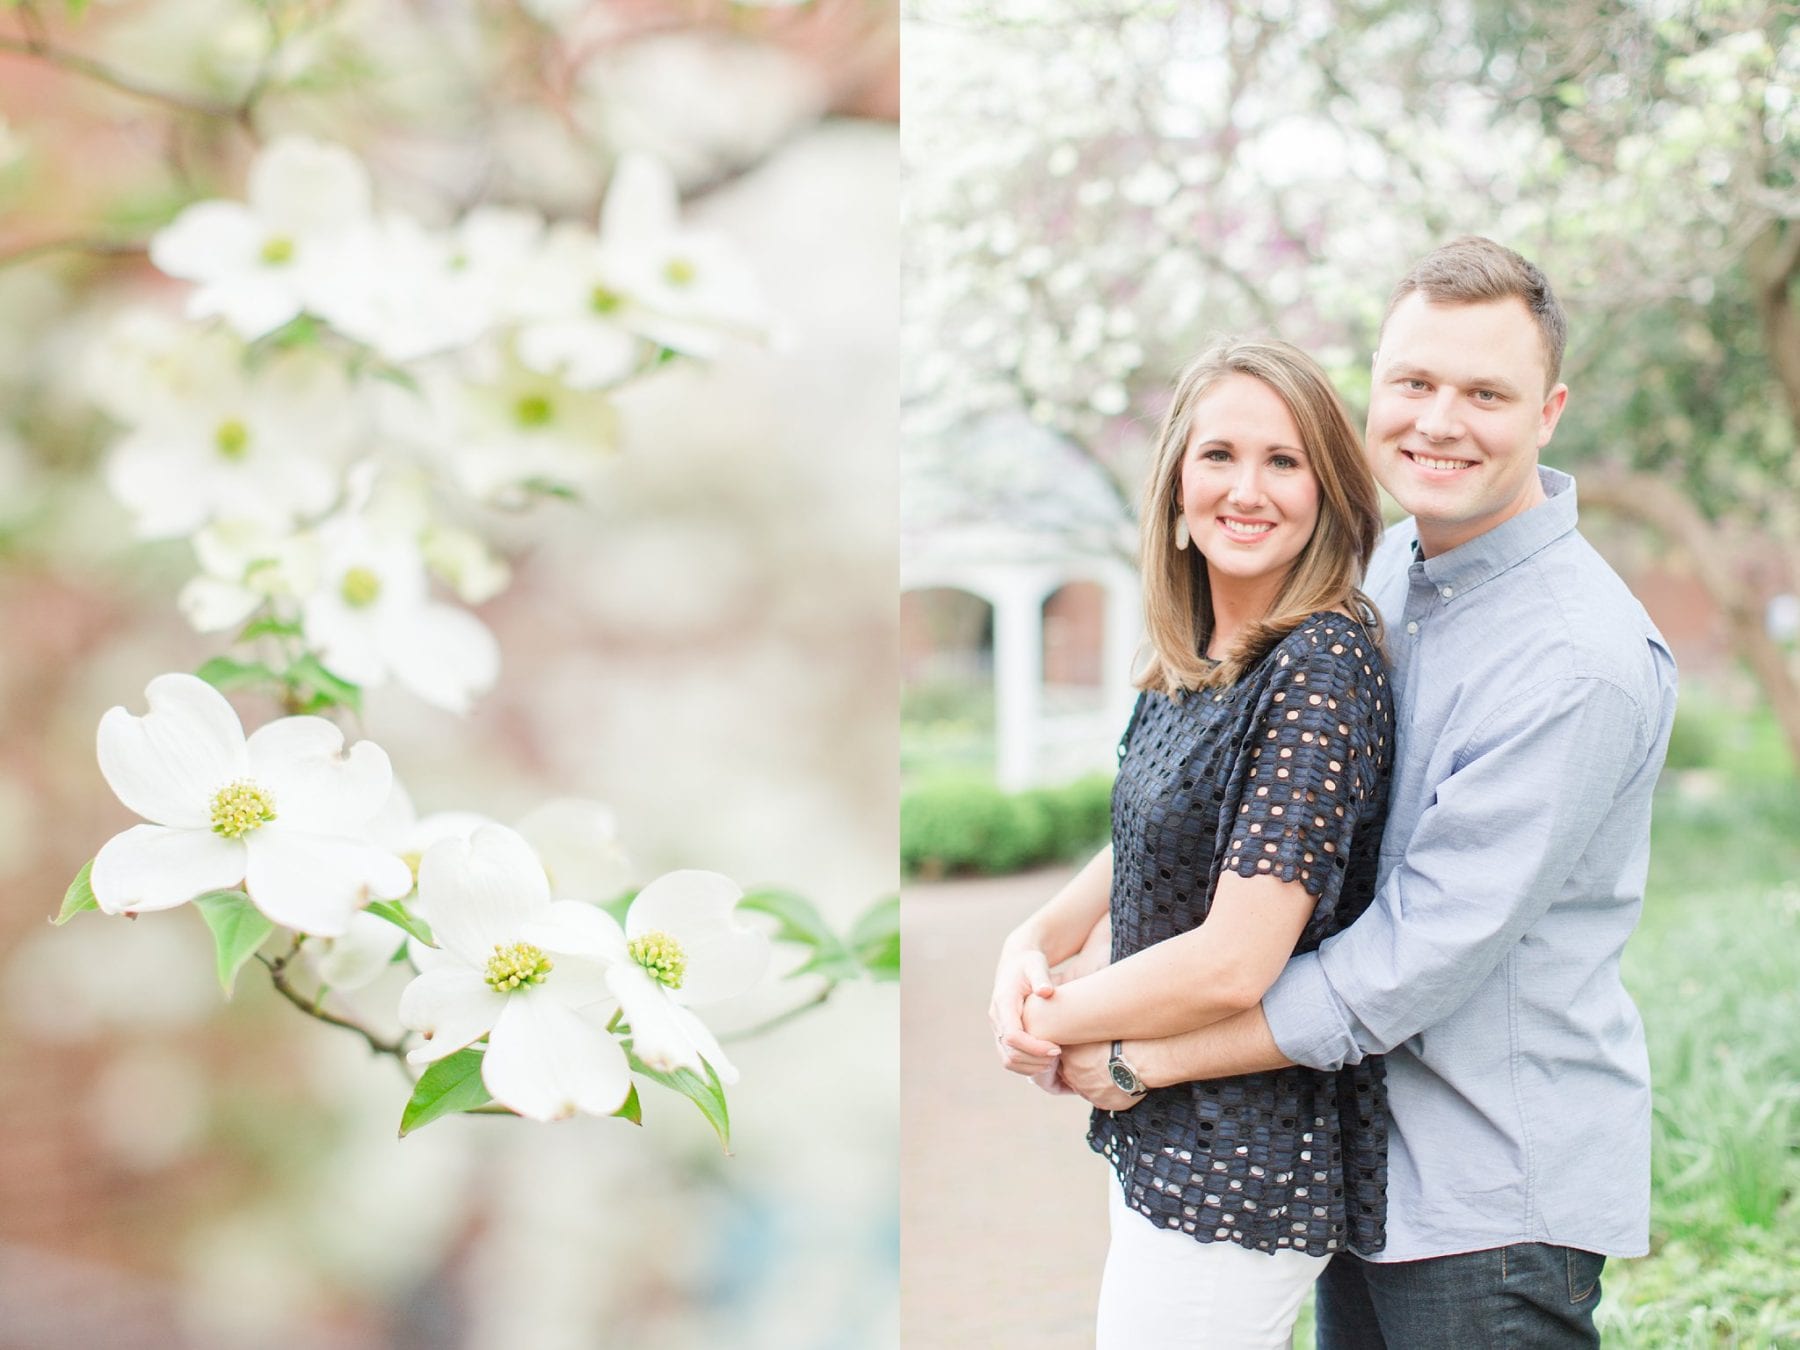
{"x":1246,"y":817}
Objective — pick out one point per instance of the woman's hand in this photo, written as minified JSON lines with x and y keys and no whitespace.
{"x":1022,"y":973}
{"x":1084,"y":1072}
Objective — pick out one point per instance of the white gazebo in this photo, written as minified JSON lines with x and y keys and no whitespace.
{"x":1010,"y":512}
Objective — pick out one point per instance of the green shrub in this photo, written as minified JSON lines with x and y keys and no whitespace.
{"x":966,"y":824}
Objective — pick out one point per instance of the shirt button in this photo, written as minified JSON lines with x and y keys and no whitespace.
{"x":1447,"y":592}
{"x":1412,"y":627}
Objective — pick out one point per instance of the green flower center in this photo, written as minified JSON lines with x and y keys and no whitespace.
{"x":534,"y":410}
{"x":679,"y":272}
{"x":360,"y":587}
{"x":233,"y":439}
{"x":412,"y":861}
{"x":661,"y":955}
{"x":277,"y":250}
{"x":603,"y":301}
{"x":517,"y":967}
{"x":240,"y":807}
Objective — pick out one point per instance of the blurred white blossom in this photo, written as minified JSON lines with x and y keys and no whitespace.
{"x":261,"y":263}
{"x":215,"y":438}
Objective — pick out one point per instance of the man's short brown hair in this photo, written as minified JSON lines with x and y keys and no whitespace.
{"x":1473,"y":270}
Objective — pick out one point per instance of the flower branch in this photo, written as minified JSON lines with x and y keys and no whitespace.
{"x":87,"y":67}
{"x":278,"y":976}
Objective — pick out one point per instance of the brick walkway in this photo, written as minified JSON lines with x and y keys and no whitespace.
{"x":1003,"y":1208}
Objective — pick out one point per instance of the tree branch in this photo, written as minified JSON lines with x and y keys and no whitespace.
{"x":76,"y":64}
{"x":277,"y":968}
{"x":100,"y":248}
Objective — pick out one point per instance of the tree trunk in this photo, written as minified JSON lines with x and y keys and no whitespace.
{"x":1650,"y":501}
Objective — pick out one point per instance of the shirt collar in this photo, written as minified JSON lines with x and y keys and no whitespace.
{"x":1509,"y":543}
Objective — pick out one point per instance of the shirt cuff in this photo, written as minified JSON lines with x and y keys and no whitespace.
{"x":1305,"y":1019}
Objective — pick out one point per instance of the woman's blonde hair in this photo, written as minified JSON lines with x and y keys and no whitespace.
{"x":1178,"y":612}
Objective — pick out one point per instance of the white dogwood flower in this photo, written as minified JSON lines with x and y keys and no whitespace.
{"x":260,"y":264}
{"x":517,"y":968}
{"x":220,"y":441}
{"x":502,"y":428}
{"x":282,"y":812}
{"x":403,"y":290}
{"x":644,"y":276}
{"x":245,"y":565}
{"x":372,"y":617}
{"x":680,"y":949}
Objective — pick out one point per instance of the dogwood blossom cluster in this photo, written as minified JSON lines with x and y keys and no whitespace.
{"x":347,"y":388}
{"x":546,"y":985}
{"x":344,"y":393}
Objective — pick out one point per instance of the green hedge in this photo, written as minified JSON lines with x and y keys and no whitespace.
{"x":966,"y":824}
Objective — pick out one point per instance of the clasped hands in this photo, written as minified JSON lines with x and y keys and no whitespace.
{"x":1023,"y":984}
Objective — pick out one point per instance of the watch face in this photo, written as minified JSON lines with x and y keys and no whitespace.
{"x":1123,"y":1077}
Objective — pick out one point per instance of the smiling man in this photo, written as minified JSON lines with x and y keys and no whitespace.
{"x":1536,"y":699}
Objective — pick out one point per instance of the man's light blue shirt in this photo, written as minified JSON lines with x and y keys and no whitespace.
{"x":1535,"y":700}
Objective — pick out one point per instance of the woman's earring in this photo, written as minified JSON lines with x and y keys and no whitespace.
{"x":1181,"y":531}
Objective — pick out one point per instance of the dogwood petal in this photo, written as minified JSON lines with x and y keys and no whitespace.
{"x":659,"y":1036}
{"x":443,"y":654}
{"x":308,"y":187}
{"x":642,"y":207}
{"x":211,"y":605}
{"x":705,"y":1043}
{"x":150,"y":867}
{"x":578,"y":842}
{"x":318,"y":787}
{"x":452,"y":1006}
{"x":154,"y":477}
{"x":206,"y":239}
{"x":479,"y":893}
{"x":347,"y":639}
{"x":546,"y":1061}
{"x":579,"y":929}
{"x":361,"y":955}
{"x":695,"y":908}
{"x":168,"y":764}
{"x":253,"y":303}
{"x":315,"y":882}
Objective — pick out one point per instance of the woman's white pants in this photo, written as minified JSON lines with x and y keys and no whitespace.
{"x":1164,"y":1291}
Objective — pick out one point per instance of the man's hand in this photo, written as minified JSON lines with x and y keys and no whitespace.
{"x":1020,"y":974}
{"x":1084,"y":1072}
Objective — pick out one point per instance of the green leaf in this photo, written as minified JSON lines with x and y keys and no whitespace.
{"x":395,"y":375}
{"x":225,"y":674}
{"x":633,"y":1110}
{"x":451,"y":1085}
{"x":706,"y":1093}
{"x":303,"y":330}
{"x":549,"y":487}
{"x":875,"y":939}
{"x":79,"y":896}
{"x":320,"y":688}
{"x":238,"y":929}
{"x":396,"y":913}
{"x":269,"y":626}
{"x":799,"y":921}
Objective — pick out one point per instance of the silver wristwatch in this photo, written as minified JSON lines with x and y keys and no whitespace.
{"x":1124,"y":1077}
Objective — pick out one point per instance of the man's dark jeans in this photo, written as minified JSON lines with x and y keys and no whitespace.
{"x":1526,"y":1297}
